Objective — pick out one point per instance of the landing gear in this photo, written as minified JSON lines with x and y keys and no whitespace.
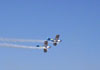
{"x":54,"y":44}
{"x":45,"y":50}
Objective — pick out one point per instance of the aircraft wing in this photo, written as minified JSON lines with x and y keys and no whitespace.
{"x":57,"y":37}
{"x":46,"y":44}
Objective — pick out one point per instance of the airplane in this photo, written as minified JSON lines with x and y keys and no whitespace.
{"x":55,"y":41}
{"x":45,"y":47}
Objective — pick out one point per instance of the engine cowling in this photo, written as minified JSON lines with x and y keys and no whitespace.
{"x":37,"y":46}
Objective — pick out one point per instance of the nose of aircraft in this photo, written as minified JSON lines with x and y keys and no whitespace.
{"x":60,"y":40}
{"x":49,"y":47}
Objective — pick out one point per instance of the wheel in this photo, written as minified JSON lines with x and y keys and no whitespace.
{"x":45,"y":50}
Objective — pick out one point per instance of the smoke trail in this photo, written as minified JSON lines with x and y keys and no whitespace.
{"x":19,"y":46}
{"x":20,"y":40}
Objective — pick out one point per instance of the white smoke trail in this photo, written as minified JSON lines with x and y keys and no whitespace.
{"x":20,"y":40}
{"x":19,"y":46}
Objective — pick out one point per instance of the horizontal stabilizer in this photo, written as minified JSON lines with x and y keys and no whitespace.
{"x":49,"y":39}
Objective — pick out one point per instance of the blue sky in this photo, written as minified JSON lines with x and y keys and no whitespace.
{"x":77,"y":21}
